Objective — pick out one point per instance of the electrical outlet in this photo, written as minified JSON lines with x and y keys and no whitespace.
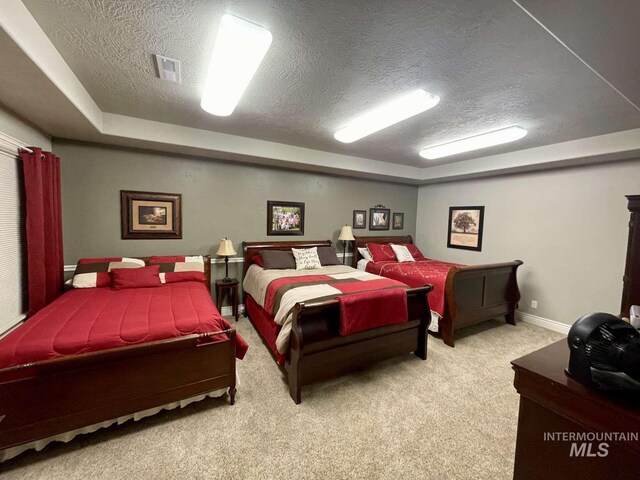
{"x":534,"y":303}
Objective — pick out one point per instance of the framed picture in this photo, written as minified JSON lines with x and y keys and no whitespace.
{"x":149,"y":215}
{"x":379,"y":218}
{"x":285,"y":218}
{"x":465,"y":228}
{"x":398,"y":221}
{"x":359,"y":219}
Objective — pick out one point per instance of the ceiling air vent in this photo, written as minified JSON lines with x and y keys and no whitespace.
{"x":168,"y":69}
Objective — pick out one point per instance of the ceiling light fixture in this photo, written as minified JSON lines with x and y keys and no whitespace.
{"x":497,"y":137}
{"x":239,"y":49}
{"x":386,"y":115}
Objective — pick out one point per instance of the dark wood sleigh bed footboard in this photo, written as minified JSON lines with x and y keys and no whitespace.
{"x":51,"y":397}
{"x":318,"y":352}
{"x":316,"y":349}
{"x":473,"y":293}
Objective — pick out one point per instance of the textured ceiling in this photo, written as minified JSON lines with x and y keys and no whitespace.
{"x":490,"y":63}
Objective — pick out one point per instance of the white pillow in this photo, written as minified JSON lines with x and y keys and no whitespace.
{"x":306,"y":258}
{"x":402,"y":253}
{"x":364,"y":253}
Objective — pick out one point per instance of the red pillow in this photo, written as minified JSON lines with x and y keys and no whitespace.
{"x":413,"y":250}
{"x":257,"y":259}
{"x":175,"y":277}
{"x":380,"y":252}
{"x":136,"y":277}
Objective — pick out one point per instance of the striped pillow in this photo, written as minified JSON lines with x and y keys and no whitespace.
{"x":94,"y":272}
{"x":180,"y":268}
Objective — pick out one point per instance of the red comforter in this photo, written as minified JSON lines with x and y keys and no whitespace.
{"x":87,"y":320}
{"x":417,"y":274}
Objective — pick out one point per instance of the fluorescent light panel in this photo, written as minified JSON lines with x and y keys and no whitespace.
{"x":497,"y":137}
{"x":239,"y":49}
{"x":386,"y":115}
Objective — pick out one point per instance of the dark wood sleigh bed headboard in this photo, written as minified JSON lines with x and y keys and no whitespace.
{"x":250,"y":249}
{"x":362,"y":242}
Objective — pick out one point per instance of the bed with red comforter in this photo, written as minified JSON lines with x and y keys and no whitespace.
{"x":97,"y":355}
{"x":461,"y":296}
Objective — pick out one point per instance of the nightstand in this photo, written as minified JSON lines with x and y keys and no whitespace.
{"x":230,"y":291}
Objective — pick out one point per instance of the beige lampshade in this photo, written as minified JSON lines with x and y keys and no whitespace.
{"x":226,"y":248}
{"x":346,"y":234}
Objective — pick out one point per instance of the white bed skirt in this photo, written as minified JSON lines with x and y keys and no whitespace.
{"x":38,"y":445}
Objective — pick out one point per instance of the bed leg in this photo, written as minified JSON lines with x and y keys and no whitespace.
{"x":446,"y":330}
{"x":511,"y":317}
{"x":423,"y":336}
{"x":232,"y":395}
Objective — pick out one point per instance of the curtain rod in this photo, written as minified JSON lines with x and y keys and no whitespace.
{"x":14,"y":142}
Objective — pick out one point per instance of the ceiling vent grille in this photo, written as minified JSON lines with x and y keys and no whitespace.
{"x":168,"y":69}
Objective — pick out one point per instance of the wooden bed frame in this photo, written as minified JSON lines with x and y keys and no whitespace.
{"x":473,"y":293}
{"x":42,"y":399}
{"x":316,"y":349}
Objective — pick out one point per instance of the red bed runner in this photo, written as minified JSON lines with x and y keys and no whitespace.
{"x":368,"y":310}
{"x":92,"y":319}
{"x":417,"y":274}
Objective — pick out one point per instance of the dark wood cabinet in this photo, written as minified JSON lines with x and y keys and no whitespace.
{"x":569,"y":431}
{"x":631,"y":280}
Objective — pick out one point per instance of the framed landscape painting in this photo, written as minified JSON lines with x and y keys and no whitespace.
{"x":285,"y":218}
{"x":465,"y":228}
{"x":149,"y":215}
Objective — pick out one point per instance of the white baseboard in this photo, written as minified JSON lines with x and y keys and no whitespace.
{"x":544,"y":322}
{"x":227,"y":312}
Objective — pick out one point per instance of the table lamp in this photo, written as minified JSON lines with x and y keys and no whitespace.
{"x":226,"y":250}
{"x":346,"y":235}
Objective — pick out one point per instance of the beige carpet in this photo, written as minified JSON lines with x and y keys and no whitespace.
{"x":452,"y":416}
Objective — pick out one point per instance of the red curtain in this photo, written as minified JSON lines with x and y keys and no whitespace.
{"x":44,"y":227}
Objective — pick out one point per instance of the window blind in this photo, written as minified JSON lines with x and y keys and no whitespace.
{"x":12,"y":249}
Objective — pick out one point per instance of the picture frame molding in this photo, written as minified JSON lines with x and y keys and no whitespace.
{"x":275,"y":203}
{"x":364,"y":216}
{"x":378,"y":210}
{"x":127,"y":197}
{"x":477,"y":248}
{"x":393,"y":221}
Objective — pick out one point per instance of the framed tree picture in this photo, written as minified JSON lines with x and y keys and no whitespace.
{"x":465,"y":228}
{"x":359,"y":219}
{"x":398,"y":221}
{"x":149,"y":215}
{"x":379,"y":218}
{"x":285,"y":218}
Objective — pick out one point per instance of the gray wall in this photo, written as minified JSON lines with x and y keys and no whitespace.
{"x":21,"y":130}
{"x":219,"y":199}
{"x":569,"y":226}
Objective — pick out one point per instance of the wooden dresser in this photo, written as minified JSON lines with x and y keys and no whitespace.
{"x":551,"y":403}
{"x":631,"y":285}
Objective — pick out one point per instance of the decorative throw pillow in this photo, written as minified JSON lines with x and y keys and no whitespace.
{"x":193,"y":263}
{"x":306,"y":258}
{"x":413,"y":250}
{"x":364,"y":253}
{"x":327,"y":256}
{"x":278,"y":259}
{"x":175,"y":277}
{"x":94,"y":272}
{"x":381,"y":252}
{"x":402,"y":253}
{"x":136,"y":278}
{"x":257,"y":259}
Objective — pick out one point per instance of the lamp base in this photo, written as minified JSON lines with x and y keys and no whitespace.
{"x":226,"y":280}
